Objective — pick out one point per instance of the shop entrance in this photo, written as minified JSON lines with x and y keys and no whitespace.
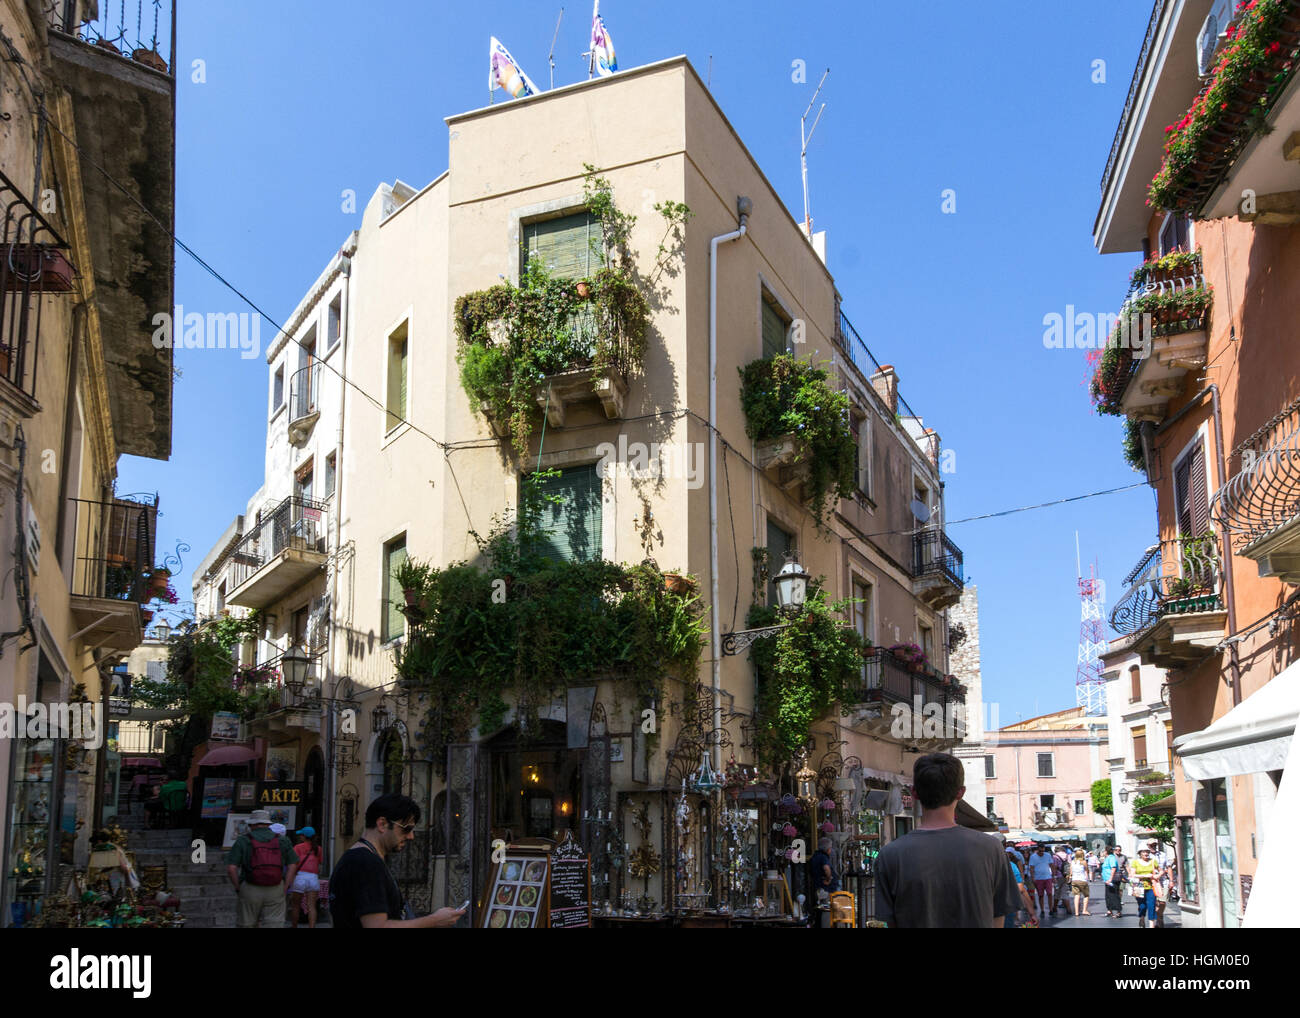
{"x":535,"y":784}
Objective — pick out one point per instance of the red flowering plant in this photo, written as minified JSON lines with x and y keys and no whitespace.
{"x":1258,"y":61}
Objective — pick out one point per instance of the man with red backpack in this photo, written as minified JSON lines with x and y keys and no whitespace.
{"x":261,"y":864}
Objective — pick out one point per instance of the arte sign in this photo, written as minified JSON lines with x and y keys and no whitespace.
{"x":281,"y":793}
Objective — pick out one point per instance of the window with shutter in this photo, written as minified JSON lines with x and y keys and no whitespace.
{"x":394,"y":620}
{"x":1191,"y":493}
{"x":570,"y":524}
{"x":779,"y":543}
{"x":1139,"y":749}
{"x":1135,"y":684}
{"x":397,"y":376}
{"x":774,"y":328}
{"x":569,"y":247}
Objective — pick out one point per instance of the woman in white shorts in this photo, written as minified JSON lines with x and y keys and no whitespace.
{"x":306,"y":885}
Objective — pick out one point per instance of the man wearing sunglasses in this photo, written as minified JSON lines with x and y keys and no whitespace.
{"x":363,"y":891}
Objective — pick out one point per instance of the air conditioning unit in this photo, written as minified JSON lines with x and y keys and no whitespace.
{"x":1211,"y":38}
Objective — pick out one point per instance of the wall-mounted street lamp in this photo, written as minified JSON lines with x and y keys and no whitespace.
{"x":791,"y":592}
{"x":294,"y":664}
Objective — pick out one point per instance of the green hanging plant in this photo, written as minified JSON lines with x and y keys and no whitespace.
{"x":783,"y":395}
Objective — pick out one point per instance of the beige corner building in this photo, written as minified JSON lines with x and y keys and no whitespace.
{"x":414,"y":469}
{"x":86,"y":167}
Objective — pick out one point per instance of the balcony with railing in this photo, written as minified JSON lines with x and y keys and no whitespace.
{"x":1260,"y":506}
{"x":932,"y":698}
{"x":304,"y":400}
{"x":33,"y":262}
{"x":284,"y":549}
{"x":1161,"y":334}
{"x":1173,"y":602}
{"x":113,"y":63}
{"x":111,"y":567}
{"x":937,"y":577}
{"x":1053,"y":819}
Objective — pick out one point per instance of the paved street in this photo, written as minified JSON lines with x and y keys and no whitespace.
{"x":1098,"y":920}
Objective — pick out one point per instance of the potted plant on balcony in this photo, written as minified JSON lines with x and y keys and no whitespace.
{"x":158,"y":580}
{"x":792,"y":411}
{"x":912,"y":656}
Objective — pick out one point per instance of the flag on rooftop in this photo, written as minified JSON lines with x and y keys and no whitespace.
{"x":504,"y":72}
{"x":602,"y":46}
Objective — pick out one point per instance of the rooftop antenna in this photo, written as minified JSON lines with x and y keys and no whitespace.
{"x":550,"y":57}
{"x":1089,"y":686}
{"x":804,"y":138}
{"x":708,"y":82}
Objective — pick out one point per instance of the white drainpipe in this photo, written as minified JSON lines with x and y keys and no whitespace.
{"x":744,"y":206}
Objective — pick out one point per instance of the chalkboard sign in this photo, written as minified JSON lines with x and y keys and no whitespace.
{"x":570,"y":892}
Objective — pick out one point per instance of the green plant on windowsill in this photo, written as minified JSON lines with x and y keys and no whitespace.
{"x":783,"y":395}
{"x":511,"y":338}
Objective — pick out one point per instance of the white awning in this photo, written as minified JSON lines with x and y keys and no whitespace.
{"x":1274,"y":895}
{"x":1254,"y":736}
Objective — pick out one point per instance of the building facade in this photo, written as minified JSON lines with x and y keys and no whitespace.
{"x":1141,"y":733}
{"x":420,"y":470}
{"x":84,"y":267}
{"x":1039,"y":775}
{"x":1200,"y":185}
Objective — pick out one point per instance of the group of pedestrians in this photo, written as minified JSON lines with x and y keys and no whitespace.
{"x":263,"y":864}
{"x":1149,"y":878}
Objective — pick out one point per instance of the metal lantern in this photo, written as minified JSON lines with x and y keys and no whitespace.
{"x":807,"y":781}
{"x":161,"y":631}
{"x":791,"y":585}
{"x":381,"y":717}
{"x":295,"y":665}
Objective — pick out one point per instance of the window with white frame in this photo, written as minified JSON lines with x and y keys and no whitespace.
{"x":1047,"y":765}
{"x":1079,"y":807}
{"x":990,"y":765}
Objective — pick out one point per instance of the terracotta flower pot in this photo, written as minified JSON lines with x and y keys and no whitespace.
{"x":412,"y":596}
{"x":676,"y":583}
{"x":584,"y":290}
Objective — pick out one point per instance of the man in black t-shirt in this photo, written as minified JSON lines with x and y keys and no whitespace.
{"x":363,"y":892}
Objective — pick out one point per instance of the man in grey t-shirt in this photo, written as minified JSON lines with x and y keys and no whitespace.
{"x":941,"y":875}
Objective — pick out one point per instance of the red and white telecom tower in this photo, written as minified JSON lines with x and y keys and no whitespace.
{"x":1089,"y":686}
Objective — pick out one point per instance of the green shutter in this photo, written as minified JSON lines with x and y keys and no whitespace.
{"x":778,"y":543}
{"x":402,"y":356}
{"x":570,"y":528}
{"x":394,"y":620}
{"x":569,"y":247}
{"x":773,"y":331}
{"x":396,"y":381}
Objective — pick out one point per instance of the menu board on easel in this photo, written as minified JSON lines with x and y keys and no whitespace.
{"x":518,"y":895}
{"x":570,"y":892}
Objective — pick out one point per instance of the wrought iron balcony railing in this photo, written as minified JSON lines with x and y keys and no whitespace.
{"x":304,"y":392}
{"x":142,"y":31}
{"x":296,"y":523}
{"x":1138,"y":73}
{"x":1179,"y":576}
{"x":933,"y":552}
{"x":1265,"y":496}
{"x":32,"y":263}
{"x":887,"y":678}
{"x":114,"y":547}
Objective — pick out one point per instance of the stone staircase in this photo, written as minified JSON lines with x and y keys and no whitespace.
{"x":206,"y":897}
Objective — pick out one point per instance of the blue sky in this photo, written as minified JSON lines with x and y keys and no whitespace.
{"x":304,"y":100}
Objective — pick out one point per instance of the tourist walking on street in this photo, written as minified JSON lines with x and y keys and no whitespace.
{"x":1018,"y":895}
{"x":1079,"y":881}
{"x":363,"y":891}
{"x":306,"y":886}
{"x":1040,"y":871}
{"x":1113,"y":875}
{"x":1144,"y":876}
{"x":1094,"y":864}
{"x":941,"y":875}
{"x":1061,"y":877}
{"x":259,"y":864}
